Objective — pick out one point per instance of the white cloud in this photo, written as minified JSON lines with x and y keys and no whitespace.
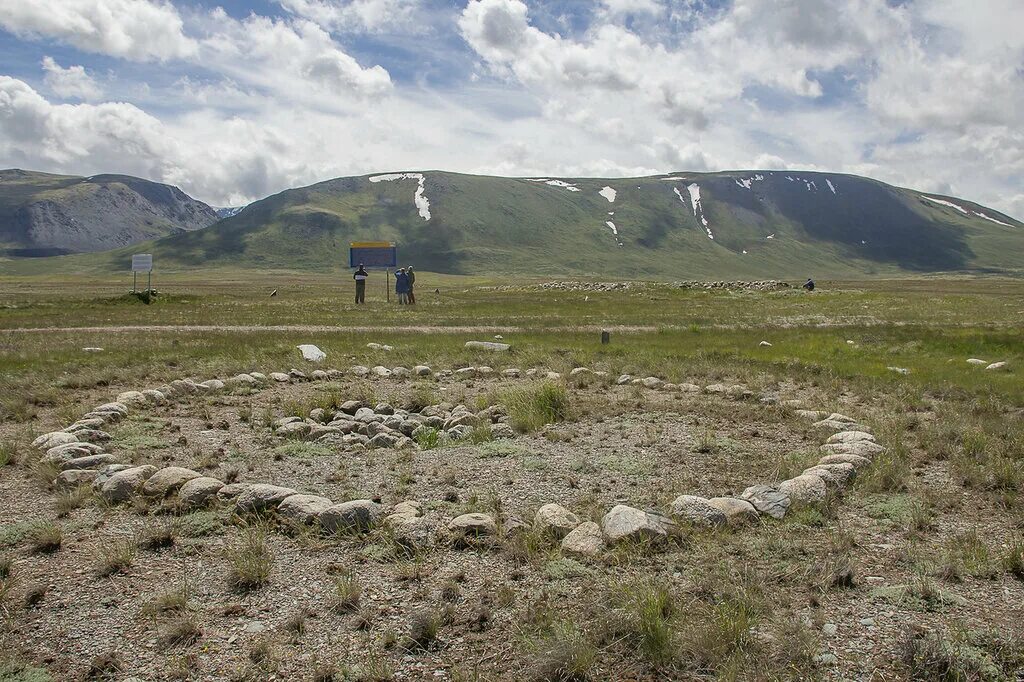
{"x":355,"y":15}
{"x":133,"y":29}
{"x":70,"y":83}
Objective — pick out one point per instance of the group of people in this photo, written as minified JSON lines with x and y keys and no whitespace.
{"x":405,"y":278}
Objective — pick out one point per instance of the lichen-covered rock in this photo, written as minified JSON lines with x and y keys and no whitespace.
{"x":629,"y":523}
{"x":422,"y":371}
{"x":555,"y":521}
{"x":231,"y":491}
{"x":73,"y":478}
{"x":125,"y":484}
{"x":487,"y":345}
{"x":116,"y":407}
{"x":474,"y":524}
{"x":698,"y":510}
{"x":212,"y":385}
{"x":198,"y":492}
{"x":131,"y":398}
{"x":767,"y":500}
{"x":857,"y":461}
{"x":303,"y":509}
{"x":293,"y":430}
{"x":356,"y":515}
{"x":167,"y":480}
{"x":89,"y":462}
{"x":861,"y":448}
{"x":154,"y":396}
{"x":280,"y":377}
{"x":836,"y":475}
{"x":69,"y":451}
{"x":850,"y":437}
{"x":805,"y":488}
{"x":261,"y":497}
{"x":53,"y":439}
{"x":737,"y":512}
{"x":585,"y":541}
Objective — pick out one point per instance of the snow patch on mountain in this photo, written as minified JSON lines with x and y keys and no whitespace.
{"x":611,"y":225}
{"x":557,"y":183}
{"x":997,"y":222}
{"x":747,"y":182}
{"x":831,"y":186}
{"x":945,"y":203}
{"x":698,"y":210}
{"x":419,"y":198}
{"x":609,"y":194}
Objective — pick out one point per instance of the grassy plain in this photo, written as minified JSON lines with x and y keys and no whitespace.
{"x":917,"y":573}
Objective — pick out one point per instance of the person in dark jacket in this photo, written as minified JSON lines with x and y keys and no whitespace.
{"x":809,"y":284}
{"x":402,"y":286}
{"x":412,"y":281}
{"x":360,"y":278}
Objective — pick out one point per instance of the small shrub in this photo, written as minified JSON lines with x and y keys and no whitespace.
{"x":295,"y":624}
{"x":69,"y":500}
{"x":565,"y":655}
{"x":116,"y":557}
{"x":530,"y":408}
{"x":167,"y":602}
{"x":430,"y":438}
{"x":423,"y":628}
{"x":34,"y":594}
{"x":181,"y":631}
{"x":251,"y":560}
{"x":959,"y":655}
{"x":6,"y":563}
{"x":45,"y":472}
{"x":1012,"y":561}
{"x":199,"y":524}
{"x":347,"y":592}
{"x":104,"y":667}
{"x":8,"y":453}
{"x":45,"y":537}
{"x":157,"y":536}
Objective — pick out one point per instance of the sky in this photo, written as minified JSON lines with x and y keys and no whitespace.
{"x":239,"y":99}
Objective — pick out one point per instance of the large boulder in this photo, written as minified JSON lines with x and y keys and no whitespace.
{"x":356,"y":515}
{"x":586,"y":541}
{"x":261,"y":497}
{"x":629,"y":523}
{"x":123,"y":485}
{"x":303,"y":509}
{"x":805,"y":488}
{"x":737,"y":512}
{"x":767,"y":500}
{"x":198,"y":492}
{"x":555,"y":521}
{"x":167,"y":480}
{"x":698,"y":511}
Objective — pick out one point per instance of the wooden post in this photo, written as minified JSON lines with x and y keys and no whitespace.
{"x":387,"y":284}
{"x":605,"y":338}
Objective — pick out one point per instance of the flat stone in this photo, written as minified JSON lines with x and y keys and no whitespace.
{"x":89,"y":462}
{"x":805,"y":488}
{"x":359,"y":370}
{"x":124,"y":484}
{"x":117,"y":407}
{"x":628,"y":523}
{"x":767,"y":500}
{"x":104,"y":474}
{"x":737,"y":512}
{"x":53,"y":439}
{"x":652,"y":382}
{"x":474,"y":524}
{"x":856,"y":460}
{"x":861,"y":448}
{"x":850,"y":437}
{"x":555,"y":521}
{"x":996,"y":366}
{"x":167,"y":480}
{"x":198,"y":492}
{"x":293,"y":430}
{"x":838,"y":475}
{"x":585,"y":541}
{"x":381,"y":371}
{"x":422,"y":371}
{"x":213,"y":385}
{"x":73,"y":478}
{"x":262,"y":497}
{"x":280,"y":377}
{"x":977,"y":361}
{"x":311,"y":353}
{"x":230,"y":491}
{"x":488,"y":346}
{"x":69,"y":451}
{"x":131,"y":398}
{"x":813,"y":415}
{"x":698,"y":511}
{"x":303,"y":509}
{"x":348,"y":516}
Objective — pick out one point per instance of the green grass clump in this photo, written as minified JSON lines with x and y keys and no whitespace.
{"x":531,"y":407}
{"x":200,"y":524}
{"x":250,"y":560}
{"x":14,"y":672}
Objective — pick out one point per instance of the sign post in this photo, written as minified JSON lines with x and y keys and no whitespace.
{"x":142,"y":262}
{"x":375,"y":256}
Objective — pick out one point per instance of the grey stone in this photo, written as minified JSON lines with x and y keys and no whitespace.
{"x":262,"y":497}
{"x":856,"y":460}
{"x":487,"y":345}
{"x":198,"y":492}
{"x":124,"y":484}
{"x":555,"y":521}
{"x":53,"y":439}
{"x":500,"y":431}
{"x":861,"y":448}
{"x":293,"y":430}
{"x":767,"y":500}
{"x":167,"y":480}
{"x":737,"y":512}
{"x":303,"y":509}
{"x":348,"y":516}
{"x":132,"y":398}
{"x":805,"y":488}
{"x":231,"y":491}
{"x":850,"y":437}
{"x":73,"y":478}
{"x":698,"y":510}
{"x":628,"y":523}
{"x":585,"y":541}
{"x":474,"y":524}
{"x":89,"y":462}
{"x":838,"y":475}
{"x":422,"y":371}
{"x":280,"y":377}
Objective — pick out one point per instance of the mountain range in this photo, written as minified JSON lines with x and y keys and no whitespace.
{"x":48,"y":215}
{"x":681,"y":225}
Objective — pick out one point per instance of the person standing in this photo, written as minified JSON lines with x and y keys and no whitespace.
{"x":360,"y":278}
{"x":402,"y":286}
{"x":412,"y":281}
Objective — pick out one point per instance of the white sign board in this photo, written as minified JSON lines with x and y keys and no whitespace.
{"x":142,"y":262}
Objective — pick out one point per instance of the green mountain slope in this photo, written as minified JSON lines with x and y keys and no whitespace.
{"x":745,"y":224}
{"x":44,"y":215}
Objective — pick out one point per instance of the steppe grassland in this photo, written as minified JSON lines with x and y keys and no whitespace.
{"x":936,"y":519}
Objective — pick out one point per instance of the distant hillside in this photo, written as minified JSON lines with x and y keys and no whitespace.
{"x":45,"y":215}
{"x":718,"y":225}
